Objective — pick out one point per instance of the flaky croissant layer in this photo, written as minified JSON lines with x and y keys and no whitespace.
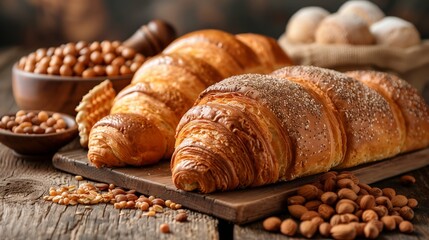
{"x":252,"y":130}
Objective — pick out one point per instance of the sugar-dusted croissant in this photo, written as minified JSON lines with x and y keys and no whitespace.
{"x":253,"y":129}
{"x":141,"y":126}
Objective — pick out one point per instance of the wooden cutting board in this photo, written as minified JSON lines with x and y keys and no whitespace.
{"x":239,"y":206}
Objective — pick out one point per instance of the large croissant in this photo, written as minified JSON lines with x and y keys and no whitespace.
{"x":253,"y":129}
{"x":141,"y":126}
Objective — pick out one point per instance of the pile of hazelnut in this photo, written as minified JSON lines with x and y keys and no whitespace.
{"x":32,"y":122}
{"x":339,"y":206}
{"x":82,"y":59}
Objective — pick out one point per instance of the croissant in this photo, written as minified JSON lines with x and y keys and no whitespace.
{"x":253,"y":129}
{"x":140,"y":128}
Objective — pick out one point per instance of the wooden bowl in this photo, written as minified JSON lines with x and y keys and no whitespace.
{"x":56,"y":93}
{"x":39,"y":144}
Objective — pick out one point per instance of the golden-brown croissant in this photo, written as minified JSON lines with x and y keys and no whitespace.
{"x":141,"y":126}
{"x":253,"y":129}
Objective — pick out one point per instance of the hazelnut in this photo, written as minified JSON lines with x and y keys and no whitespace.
{"x":412,"y":203}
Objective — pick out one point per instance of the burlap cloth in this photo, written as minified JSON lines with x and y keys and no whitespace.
{"x":411,"y":64}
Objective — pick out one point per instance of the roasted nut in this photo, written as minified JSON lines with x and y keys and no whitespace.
{"x":385,"y":201}
{"x":347,"y":193}
{"x":329,"y":198}
{"x":182,"y":217}
{"x":325,"y":229}
{"x":348,"y":218}
{"x":309,"y":215}
{"x":369,"y":215}
{"x":343,"y":231}
{"x":329,"y":185}
{"x":407,"y":213}
{"x":371,"y":231}
{"x":412,"y":203}
{"x":344,"y":207}
{"x":408,"y":179}
{"x":389,"y":192}
{"x":376,"y":192}
{"x":297,"y":210}
{"x":367,"y":202}
{"x":296,"y":200}
{"x":312,"y":205}
{"x":288,"y":227}
{"x":406,"y":227}
{"x":399,"y":201}
{"x":389,"y":222}
{"x":308,"y":228}
{"x":164,"y":228}
{"x":381,"y":211}
{"x":272,"y":224}
{"x":325,"y":211}
{"x":345,"y":183}
{"x":308,"y":191}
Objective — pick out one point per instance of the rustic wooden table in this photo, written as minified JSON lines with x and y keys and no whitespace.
{"x":24,"y":214}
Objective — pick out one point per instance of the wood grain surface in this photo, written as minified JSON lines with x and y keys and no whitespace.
{"x":241,"y":206}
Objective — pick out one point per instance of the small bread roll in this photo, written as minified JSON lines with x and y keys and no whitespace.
{"x":395,"y":32}
{"x":343,"y":29}
{"x":366,"y":10}
{"x":303,"y":24}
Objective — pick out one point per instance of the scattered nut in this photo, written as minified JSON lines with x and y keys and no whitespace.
{"x":164,"y":228}
{"x":288,"y":227}
{"x":406,"y":227}
{"x":182,"y":217}
{"x":272,"y":224}
{"x":408,"y":180}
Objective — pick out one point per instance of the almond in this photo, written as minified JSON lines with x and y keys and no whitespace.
{"x":329,"y":185}
{"x":329,"y":198}
{"x":272,"y":224}
{"x":297,"y":210}
{"x":325,"y":211}
{"x":296,"y":200}
{"x":308,"y":191}
{"x":312,"y":205}
{"x":343,"y":231}
{"x":309,"y":215}
{"x":288,"y":227}
{"x":399,"y":201}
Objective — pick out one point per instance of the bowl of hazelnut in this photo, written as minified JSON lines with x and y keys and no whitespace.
{"x":56,"y":78}
{"x":37,"y":133}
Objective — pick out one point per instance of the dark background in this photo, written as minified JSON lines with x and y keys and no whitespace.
{"x":44,"y":23}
